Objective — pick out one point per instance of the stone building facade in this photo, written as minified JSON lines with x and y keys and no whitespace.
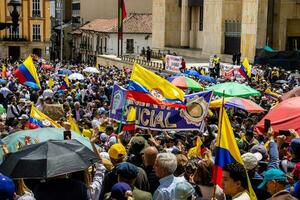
{"x":226,"y":26}
{"x":33,"y":33}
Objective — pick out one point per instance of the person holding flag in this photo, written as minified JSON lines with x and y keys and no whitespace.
{"x":229,"y":171}
{"x":245,"y":69}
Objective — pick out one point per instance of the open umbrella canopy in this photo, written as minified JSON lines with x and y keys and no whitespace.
{"x":2,"y":109}
{"x":76,"y":76}
{"x":32,"y":85}
{"x":199,"y":76}
{"x":192,"y":72}
{"x":47,"y":66}
{"x":48,"y":159}
{"x":3,"y":81}
{"x":13,"y":141}
{"x":185,"y":83}
{"x":236,"y":102}
{"x":92,"y":70}
{"x":65,"y":71}
{"x":284,"y":116}
{"x":233,"y":89}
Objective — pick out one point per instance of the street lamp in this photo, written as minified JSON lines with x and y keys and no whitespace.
{"x":14,"y":10}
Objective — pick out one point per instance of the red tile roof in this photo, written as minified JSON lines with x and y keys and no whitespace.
{"x":135,"y":23}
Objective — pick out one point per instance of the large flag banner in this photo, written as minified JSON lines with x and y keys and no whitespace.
{"x":146,"y":86}
{"x":155,"y":117}
{"x":227,"y":150}
{"x":27,"y":72}
{"x":40,"y":119}
{"x":173,"y":63}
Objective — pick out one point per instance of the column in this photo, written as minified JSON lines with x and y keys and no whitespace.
{"x":185,"y":22}
{"x":254,"y":27}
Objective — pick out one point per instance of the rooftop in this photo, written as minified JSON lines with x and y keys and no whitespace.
{"x":134,"y":23}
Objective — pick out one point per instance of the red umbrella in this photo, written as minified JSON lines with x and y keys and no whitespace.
{"x":47,"y":67}
{"x":286,"y":115}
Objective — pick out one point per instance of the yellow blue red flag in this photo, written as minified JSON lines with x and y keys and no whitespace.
{"x":40,"y":119}
{"x":27,"y":72}
{"x":227,"y":150}
{"x":65,"y":84}
{"x":146,"y":86}
{"x":245,"y":69}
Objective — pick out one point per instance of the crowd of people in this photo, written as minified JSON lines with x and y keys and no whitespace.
{"x":146,"y":164}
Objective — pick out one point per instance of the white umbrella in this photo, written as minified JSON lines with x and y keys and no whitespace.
{"x":76,"y":76}
{"x":48,"y":93}
{"x":5,"y":91}
{"x":92,"y":70}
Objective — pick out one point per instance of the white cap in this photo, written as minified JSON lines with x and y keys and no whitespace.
{"x":251,"y":160}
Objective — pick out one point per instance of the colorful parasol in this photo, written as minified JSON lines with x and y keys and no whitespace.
{"x":233,"y":89}
{"x":236,"y":102}
{"x":185,"y":83}
{"x":284,"y":116}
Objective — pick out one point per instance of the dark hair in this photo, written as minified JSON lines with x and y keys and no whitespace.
{"x":203,"y":174}
{"x":237,"y":172}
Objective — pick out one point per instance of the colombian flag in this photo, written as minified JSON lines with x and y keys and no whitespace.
{"x":4,"y":72}
{"x":40,"y":119}
{"x":65,"y":84}
{"x":26,"y":72}
{"x":245,"y":69}
{"x":271,"y":95}
{"x":227,"y":150}
{"x":130,"y":122}
{"x":145,"y":86}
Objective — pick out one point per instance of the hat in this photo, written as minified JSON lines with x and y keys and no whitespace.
{"x":138,"y":143}
{"x":24,"y":117}
{"x":251,"y":160}
{"x":117,"y":151}
{"x":119,"y":189}
{"x":103,"y":137}
{"x":261,"y":149}
{"x":7,"y":188}
{"x":22,"y":100}
{"x":295,"y":146}
{"x":296,"y":171}
{"x":183,"y":190}
{"x":272,"y":174}
{"x":127,"y":170}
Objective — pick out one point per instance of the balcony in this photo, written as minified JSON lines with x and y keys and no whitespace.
{"x":19,"y":39}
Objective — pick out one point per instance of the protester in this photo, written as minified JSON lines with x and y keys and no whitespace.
{"x":165,"y":166}
{"x":275,"y":182}
{"x":139,"y":164}
{"x":234,"y":182}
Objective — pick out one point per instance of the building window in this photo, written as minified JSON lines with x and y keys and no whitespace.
{"x":129,"y":46}
{"x":36,"y":10}
{"x":14,"y":34}
{"x":36,"y":32}
{"x":201,"y":18}
{"x":105,"y":45}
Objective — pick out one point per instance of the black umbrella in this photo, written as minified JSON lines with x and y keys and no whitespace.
{"x":48,"y":159}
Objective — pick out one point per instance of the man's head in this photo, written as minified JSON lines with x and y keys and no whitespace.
{"x":274,"y":181}
{"x":165,"y":164}
{"x":127,"y":172}
{"x":117,"y":153}
{"x":234,"y":179}
{"x":23,"y":119}
{"x":150,"y":154}
{"x":77,"y":105}
{"x":7,"y":188}
{"x":109,"y":130}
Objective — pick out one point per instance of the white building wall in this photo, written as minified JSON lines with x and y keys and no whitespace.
{"x":139,"y":43}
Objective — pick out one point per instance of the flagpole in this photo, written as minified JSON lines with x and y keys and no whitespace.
{"x":220,"y":132}
{"x":119,"y":17}
{"x":121,"y":8}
